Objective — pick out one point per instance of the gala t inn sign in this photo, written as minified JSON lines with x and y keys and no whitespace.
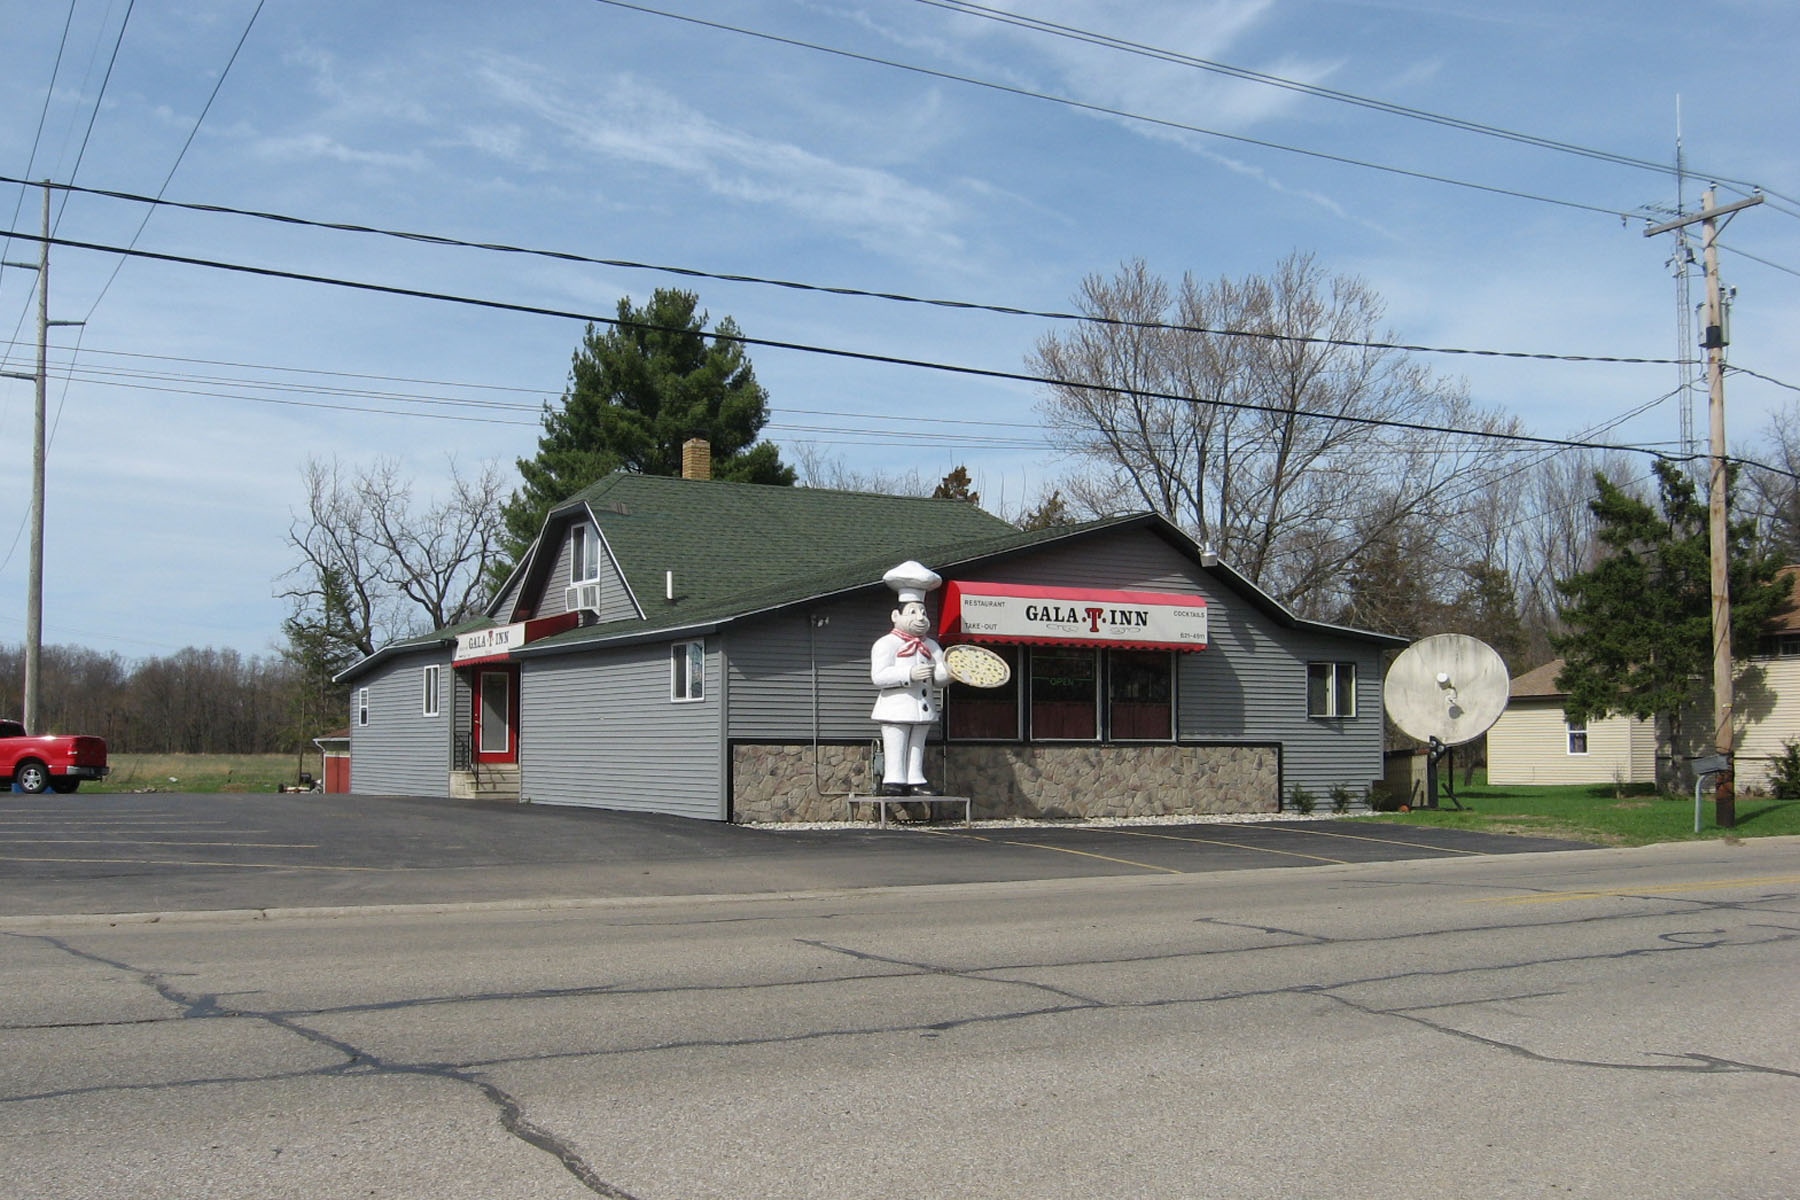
{"x":1008,"y":612}
{"x":497,"y":642}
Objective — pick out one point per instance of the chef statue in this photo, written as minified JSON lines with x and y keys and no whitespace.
{"x":905,"y":665}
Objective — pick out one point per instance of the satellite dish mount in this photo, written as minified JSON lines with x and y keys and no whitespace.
{"x":1445,"y":690}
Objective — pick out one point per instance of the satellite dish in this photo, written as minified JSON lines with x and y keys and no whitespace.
{"x":1448,"y":688}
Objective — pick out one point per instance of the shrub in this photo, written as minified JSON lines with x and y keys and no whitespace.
{"x":1784,"y":772}
{"x":1380,"y":797}
{"x":1340,"y":798}
{"x":1301,"y":800}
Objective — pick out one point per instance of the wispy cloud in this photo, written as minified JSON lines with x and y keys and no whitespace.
{"x":627,"y":119}
{"x":300,"y":147}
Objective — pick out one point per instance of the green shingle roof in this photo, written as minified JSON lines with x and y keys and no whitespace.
{"x":738,"y":547}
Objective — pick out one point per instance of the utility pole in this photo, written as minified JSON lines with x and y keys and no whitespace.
{"x":34,"y":585}
{"x":1714,"y":341}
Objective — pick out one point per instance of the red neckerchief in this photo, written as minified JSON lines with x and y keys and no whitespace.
{"x":910,"y":645}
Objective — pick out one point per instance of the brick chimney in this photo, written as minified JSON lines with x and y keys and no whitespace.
{"x":696,"y":459}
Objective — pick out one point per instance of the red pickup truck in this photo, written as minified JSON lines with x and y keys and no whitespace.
{"x":49,"y":763}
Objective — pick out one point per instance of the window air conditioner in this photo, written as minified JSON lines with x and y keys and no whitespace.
{"x":583,"y":596}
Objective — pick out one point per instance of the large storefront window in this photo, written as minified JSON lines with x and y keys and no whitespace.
{"x":1140,"y":695}
{"x":1069,"y":694}
{"x":986,"y":714}
{"x":1065,"y":694}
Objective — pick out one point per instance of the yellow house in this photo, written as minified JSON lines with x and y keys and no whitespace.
{"x":1766,"y":700}
{"x":1533,"y":742}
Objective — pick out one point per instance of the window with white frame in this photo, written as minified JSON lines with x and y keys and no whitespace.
{"x":687,"y":671}
{"x":584,"y":554}
{"x":362,"y":706}
{"x":429,"y":704}
{"x":1578,"y":742}
{"x":1331,"y":689}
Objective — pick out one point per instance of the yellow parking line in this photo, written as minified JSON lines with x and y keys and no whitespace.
{"x":1060,"y":850}
{"x":1647,"y":890}
{"x":18,"y":841}
{"x":1171,"y":837}
{"x":184,"y":862}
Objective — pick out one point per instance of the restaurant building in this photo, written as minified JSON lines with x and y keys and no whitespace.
{"x":702,"y":648}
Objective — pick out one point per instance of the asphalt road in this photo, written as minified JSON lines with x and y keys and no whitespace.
{"x":1587,"y":1023}
{"x":97,"y":853}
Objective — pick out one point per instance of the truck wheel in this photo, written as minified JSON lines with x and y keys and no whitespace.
{"x":32,"y":778}
{"x":63,"y":787}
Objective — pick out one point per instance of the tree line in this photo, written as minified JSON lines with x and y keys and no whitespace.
{"x":195,"y":701}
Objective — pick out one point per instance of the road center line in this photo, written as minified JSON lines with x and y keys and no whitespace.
{"x":1644,"y":890}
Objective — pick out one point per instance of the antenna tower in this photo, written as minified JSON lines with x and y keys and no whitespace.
{"x":1683,"y":264}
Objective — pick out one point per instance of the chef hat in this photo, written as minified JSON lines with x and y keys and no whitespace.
{"x":911,"y":581}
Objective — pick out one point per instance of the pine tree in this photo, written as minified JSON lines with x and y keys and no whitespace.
{"x":956,"y":486}
{"x":1639,"y":622}
{"x":636,"y":392}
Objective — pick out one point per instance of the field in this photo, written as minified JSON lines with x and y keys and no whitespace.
{"x":1600,"y":814}
{"x":203,"y":772}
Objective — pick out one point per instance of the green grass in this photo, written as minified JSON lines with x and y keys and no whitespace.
{"x":1598,"y":814}
{"x":201,"y":772}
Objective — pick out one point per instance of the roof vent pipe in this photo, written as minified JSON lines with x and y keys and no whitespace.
{"x":696,"y":459}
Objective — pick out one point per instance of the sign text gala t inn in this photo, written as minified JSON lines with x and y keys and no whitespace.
{"x":1006,"y":612}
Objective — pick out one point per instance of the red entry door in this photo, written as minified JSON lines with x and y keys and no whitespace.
{"x":496,"y":731}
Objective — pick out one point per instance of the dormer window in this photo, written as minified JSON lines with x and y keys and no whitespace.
{"x":584,"y":554}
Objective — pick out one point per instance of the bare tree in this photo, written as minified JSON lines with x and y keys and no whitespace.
{"x":376,"y":564}
{"x":1290,"y":443}
{"x":816,"y":469}
{"x":1771,"y":484}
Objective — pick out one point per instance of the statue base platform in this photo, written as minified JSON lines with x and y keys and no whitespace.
{"x":882,"y":804}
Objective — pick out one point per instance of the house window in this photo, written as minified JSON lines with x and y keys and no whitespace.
{"x":1140,"y":690}
{"x":362,"y":706}
{"x":687,"y":671}
{"x":584,"y":555}
{"x":1578,"y":737}
{"x":985,"y":714}
{"x":1065,"y":694}
{"x":430,"y":707}
{"x":1331,"y":689}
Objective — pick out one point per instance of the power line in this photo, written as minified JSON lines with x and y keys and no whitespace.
{"x":1104,"y":110}
{"x":1765,"y":378}
{"x":37,"y":140}
{"x":179,"y":154}
{"x":692,"y":272}
{"x":105,"y":79}
{"x":1765,"y":262}
{"x":865,"y":356}
{"x":1110,"y":42}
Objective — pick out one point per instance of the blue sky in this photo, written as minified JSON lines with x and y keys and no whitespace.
{"x":620,"y":134}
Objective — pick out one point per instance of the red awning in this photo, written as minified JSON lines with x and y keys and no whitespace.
{"x":1061,"y":616}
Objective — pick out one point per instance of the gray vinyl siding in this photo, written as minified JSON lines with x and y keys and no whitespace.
{"x":615,"y":599}
{"x":599,"y":730}
{"x":401,"y":752}
{"x":772,"y":664}
{"x":509,"y":599}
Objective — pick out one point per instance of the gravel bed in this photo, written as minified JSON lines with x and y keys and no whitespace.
{"x":1074,"y":823}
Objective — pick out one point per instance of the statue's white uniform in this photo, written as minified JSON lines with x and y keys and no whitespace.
{"x":900,"y":697}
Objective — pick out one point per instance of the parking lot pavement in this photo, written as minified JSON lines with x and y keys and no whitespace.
{"x":138,"y":853}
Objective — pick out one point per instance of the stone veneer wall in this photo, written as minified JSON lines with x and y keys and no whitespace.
{"x":776,"y":782}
